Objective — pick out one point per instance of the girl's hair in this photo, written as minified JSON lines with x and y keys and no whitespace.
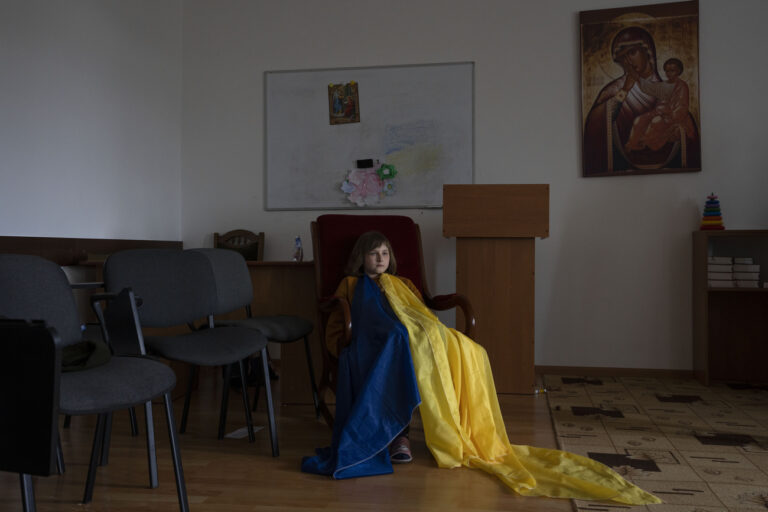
{"x":365,"y":244}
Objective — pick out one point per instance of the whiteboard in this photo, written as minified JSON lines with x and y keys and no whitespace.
{"x":417,"y":118}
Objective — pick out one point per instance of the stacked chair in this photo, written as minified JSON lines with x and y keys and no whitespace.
{"x":164,"y":288}
{"x":277,"y":328}
{"x":158,"y":288}
{"x":37,"y":289}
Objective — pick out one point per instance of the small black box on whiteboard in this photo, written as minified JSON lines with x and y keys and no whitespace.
{"x":365,"y":164}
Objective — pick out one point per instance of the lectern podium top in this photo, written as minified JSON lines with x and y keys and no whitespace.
{"x":496,"y":211}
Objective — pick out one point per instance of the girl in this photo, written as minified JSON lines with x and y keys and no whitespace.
{"x":371,"y":256}
{"x":400,"y":353}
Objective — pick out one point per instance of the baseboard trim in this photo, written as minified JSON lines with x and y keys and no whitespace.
{"x":600,"y":371}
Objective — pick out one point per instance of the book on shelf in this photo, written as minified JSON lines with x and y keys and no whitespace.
{"x":716,"y":267}
{"x":721,"y":284}
{"x":747,"y":284}
{"x":721,"y":260}
{"x":743,"y":261}
{"x":746,"y":276}
{"x":720,"y":276}
{"x":740,"y":267}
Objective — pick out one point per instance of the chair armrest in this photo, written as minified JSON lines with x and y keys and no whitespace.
{"x":98,"y":310}
{"x":328,"y":305}
{"x":454,"y":300}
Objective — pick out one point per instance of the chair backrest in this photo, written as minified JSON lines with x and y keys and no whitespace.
{"x":333,"y":237}
{"x":33,"y":288}
{"x":234,"y":289}
{"x":247,"y":243}
{"x":176,"y":287}
{"x":30,"y":366}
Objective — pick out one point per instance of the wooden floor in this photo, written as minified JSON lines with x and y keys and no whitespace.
{"x":234,"y":475}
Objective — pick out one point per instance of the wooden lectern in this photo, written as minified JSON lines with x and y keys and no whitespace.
{"x":495,"y":227}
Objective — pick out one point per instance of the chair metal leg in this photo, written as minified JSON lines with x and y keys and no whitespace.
{"x":270,"y":409}
{"x":256,"y":393}
{"x":98,"y":442}
{"x":59,"y":456}
{"x":134,"y":423}
{"x":181,"y":489}
{"x":106,"y":441}
{"x":224,"y":400}
{"x":248,"y":417}
{"x":27,"y":493}
{"x":151,"y":451}
{"x":312,"y":381}
{"x":325,"y":412}
{"x":187,"y":398}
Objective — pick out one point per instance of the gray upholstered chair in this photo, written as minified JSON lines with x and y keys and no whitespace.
{"x":236,"y":291}
{"x":30,"y":372}
{"x":34,"y":288}
{"x":177,"y":288}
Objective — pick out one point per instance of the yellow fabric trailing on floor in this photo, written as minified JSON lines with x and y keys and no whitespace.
{"x":463,"y":423}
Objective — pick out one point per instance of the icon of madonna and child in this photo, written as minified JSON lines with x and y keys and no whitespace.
{"x":640,"y":122}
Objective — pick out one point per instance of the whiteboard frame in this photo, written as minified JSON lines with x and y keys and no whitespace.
{"x":276,"y":181}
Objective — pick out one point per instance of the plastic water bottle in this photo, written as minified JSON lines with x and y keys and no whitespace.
{"x":298,"y":251}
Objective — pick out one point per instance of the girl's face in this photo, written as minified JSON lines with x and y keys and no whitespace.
{"x":376,"y":261}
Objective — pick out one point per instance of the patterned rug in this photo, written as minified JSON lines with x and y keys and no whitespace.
{"x":698,"y":448}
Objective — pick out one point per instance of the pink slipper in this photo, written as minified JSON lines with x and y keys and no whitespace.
{"x":400,"y":450}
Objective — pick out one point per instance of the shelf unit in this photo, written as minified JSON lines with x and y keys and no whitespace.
{"x":730,"y":325}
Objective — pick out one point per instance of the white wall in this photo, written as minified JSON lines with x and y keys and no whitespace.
{"x":92,"y":106}
{"x":90,"y":118}
{"x":613,"y":279}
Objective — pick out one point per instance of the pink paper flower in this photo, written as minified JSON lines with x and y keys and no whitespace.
{"x":367,"y":187}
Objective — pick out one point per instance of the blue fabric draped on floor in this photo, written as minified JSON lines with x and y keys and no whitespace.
{"x":376,"y":391}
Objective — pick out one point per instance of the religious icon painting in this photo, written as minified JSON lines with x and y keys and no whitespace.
{"x":343,"y":103}
{"x":640,"y":90}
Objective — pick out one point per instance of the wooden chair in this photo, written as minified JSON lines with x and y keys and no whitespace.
{"x":333,"y":237}
{"x":247,"y":243}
